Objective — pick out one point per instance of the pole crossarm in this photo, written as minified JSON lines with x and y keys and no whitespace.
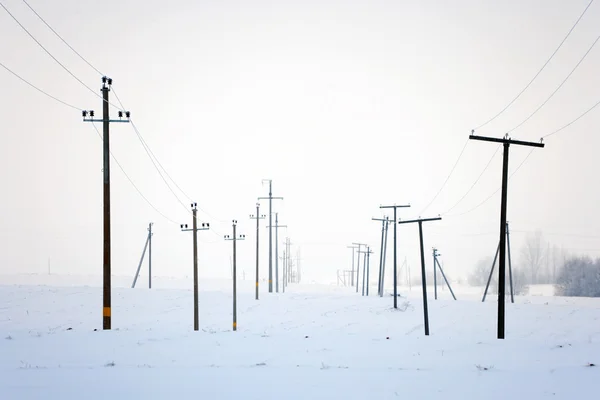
{"x":419,"y":220}
{"x":506,"y":140}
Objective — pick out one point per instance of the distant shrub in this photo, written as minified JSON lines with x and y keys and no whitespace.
{"x":580,"y":276}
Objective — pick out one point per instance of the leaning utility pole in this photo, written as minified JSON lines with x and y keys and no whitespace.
{"x":512,"y":297}
{"x":395,"y":207}
{"x":195,"y":229}
{"x":506,"y":141}
{"x":436,"y":262}
{"x":277,"y":226}
{"x":270,"y":198}
{"x":423,"y":274}
{"x":106,"y":301}
{"x":234,"y":238}
{"x":358,"y":263}
{"x":257,"y":217}
{"x":352,"y":273}
{"x":384,"y":223}
{"x":148,"y":246}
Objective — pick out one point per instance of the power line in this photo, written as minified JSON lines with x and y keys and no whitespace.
{"x":131,"y":181}
{"x":60,"y":37}
{"x":38,"y":89}
{"x":52,"y":56}
{"x":558,"y":88}
{"x":573,"y":121}
{"x":492,"y":195}
{"x":157,"y":164}
{"x":541,"y":69}
{"x":447,"y":178}
{"x":474,"y":183}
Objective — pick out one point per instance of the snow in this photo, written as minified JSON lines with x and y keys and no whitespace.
{"x":317,"y":342}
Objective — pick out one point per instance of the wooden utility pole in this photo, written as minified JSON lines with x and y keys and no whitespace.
{"x":106,"y":263}
{"x":257,"y":217}
{"x":235,"y":238}
{"x":506,"y":142}
{"x":195,"y":229}
{"x":359,"y":245}
{"x":423,"y":273}
{"x":436,"y":262}
{"x":148,"y":246}
{"x":395,"y":207}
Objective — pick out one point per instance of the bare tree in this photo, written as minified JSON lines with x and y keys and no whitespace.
{"x":533,"y":256}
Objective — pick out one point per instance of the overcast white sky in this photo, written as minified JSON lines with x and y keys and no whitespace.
{"x":346,"y":105}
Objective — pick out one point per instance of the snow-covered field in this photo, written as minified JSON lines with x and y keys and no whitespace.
{"x":314,"y":342}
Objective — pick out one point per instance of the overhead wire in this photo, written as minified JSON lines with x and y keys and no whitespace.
{"x":497,"y":190}
{"x":572,"y":122}
{"x":52,"y":56}
{"x":474,"y":183}
{"x":557,"y":89}
{"x":539,"y":71}
{"x":61,"y":38}
{"x":38,"y":89}
{"x":447,"y":178}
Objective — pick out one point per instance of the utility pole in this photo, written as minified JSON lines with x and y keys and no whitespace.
{"x":506,"y":141}
{"x":437,"y":262}
{"x":423,"y":274}
{"x":395,"y":207}
{"x":512,"y":298}
{"x":235,"y":238}
{"x":149,"y":246}
{"x":257,"y":217}
{"x":369,"y":252}
{"x":270,"y":198}
{"x":385,"y":241}
{"x":277,"y":226}
{"x":384,"y":222}
{"x":352,"y":273}
{"x":364,"y":268}
{"x":195,"y":229}
{"x":358,"y":262}
{"x":106,"y":263}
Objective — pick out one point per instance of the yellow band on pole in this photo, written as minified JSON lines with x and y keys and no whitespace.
{"x":234,"y":325}
{"x":256,"y":284}
{"x":106,"y":311}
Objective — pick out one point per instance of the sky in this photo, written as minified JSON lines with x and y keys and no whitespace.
{"x":345,"y":105}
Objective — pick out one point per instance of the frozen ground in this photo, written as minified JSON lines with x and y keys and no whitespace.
{"x":314,"y":342}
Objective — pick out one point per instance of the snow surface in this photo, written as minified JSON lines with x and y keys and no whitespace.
{"x":314,"y":342}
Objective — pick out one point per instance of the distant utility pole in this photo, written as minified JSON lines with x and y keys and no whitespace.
{"x":235,"y":238}
{"x":270,"y":198}
{"x":506,"y":141}
{"x":395,"y":207}
{"x":257,"y":217}
{"x":359,"y":245}
{"x":284,"y":267}
{"x":149,"y":246}
{"x":384,"y":224}
{"x":436,"y":262}
{"x":369,"y":252}
{"x":352,"y":273}
{"x":106,"y":301}
{"x":423,"y":274}
{"x":277,"y":226}
{"x":195,"y":229}
{"x":512,"y":297}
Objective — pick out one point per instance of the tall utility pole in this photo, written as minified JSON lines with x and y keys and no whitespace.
{"x":106,"y":263}
{"x":395,"y":207}
{"x":352,"y":273}
{"x":359,"y":245}
{"x":364,"y":267}
{"x":148,"y":246}
{"x":234,"y":238}
{"x":257,"y":217}
{"x":512,"y":297}
{"x":184,"y":228}
{"x":506,"y":141}
{"x":436,"y":262}
{"x":423,"y":274}
{"x":270,"y":198}
{"x":385,"y":241}
{"x":277,"y":226}
{"x":384,"y":222}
